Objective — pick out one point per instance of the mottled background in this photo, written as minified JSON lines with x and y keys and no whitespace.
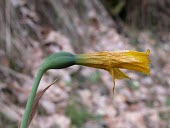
{"x":30,"y":30}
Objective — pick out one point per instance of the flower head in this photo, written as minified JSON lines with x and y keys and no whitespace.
{"x":112,"y":61}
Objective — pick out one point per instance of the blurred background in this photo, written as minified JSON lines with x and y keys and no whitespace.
{"x":30,"y":30}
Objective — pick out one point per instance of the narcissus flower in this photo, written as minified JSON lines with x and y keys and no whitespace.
{"x":109,"y":61}
{"x":112,"y":61}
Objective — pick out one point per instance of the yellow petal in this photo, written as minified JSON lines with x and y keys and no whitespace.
{"x":117,"y":73}
{"x":111,"y":61}
{"x":132,"y":60}
{"x":138,"y":61}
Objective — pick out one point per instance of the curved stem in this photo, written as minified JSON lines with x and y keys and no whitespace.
{"x":55,"y":61}
{"x":25,"y":119}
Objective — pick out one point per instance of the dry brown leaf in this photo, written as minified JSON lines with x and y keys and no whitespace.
{"x":36,"y":102}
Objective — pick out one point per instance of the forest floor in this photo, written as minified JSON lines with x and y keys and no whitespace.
{"x":82,"y":97}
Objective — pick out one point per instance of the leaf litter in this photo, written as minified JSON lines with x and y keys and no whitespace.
{"x":145,"y":100}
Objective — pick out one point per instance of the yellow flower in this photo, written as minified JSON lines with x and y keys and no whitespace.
{"x":112,"y":61}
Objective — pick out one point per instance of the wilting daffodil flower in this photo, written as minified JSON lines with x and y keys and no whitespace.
{"x":112,"y":61}
{"x":109,"y":61}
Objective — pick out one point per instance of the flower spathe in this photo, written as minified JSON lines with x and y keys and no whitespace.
{"x":112,"y":61}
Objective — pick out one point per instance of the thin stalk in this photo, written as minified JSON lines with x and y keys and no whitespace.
{"x":25,"y":119}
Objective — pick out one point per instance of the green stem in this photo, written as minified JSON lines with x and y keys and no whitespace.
{"x":55,"y":61}
{"x":31,"y":99}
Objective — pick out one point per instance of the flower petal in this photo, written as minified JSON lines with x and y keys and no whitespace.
{"x":117,"y":74}
{"x":131,"y":60}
